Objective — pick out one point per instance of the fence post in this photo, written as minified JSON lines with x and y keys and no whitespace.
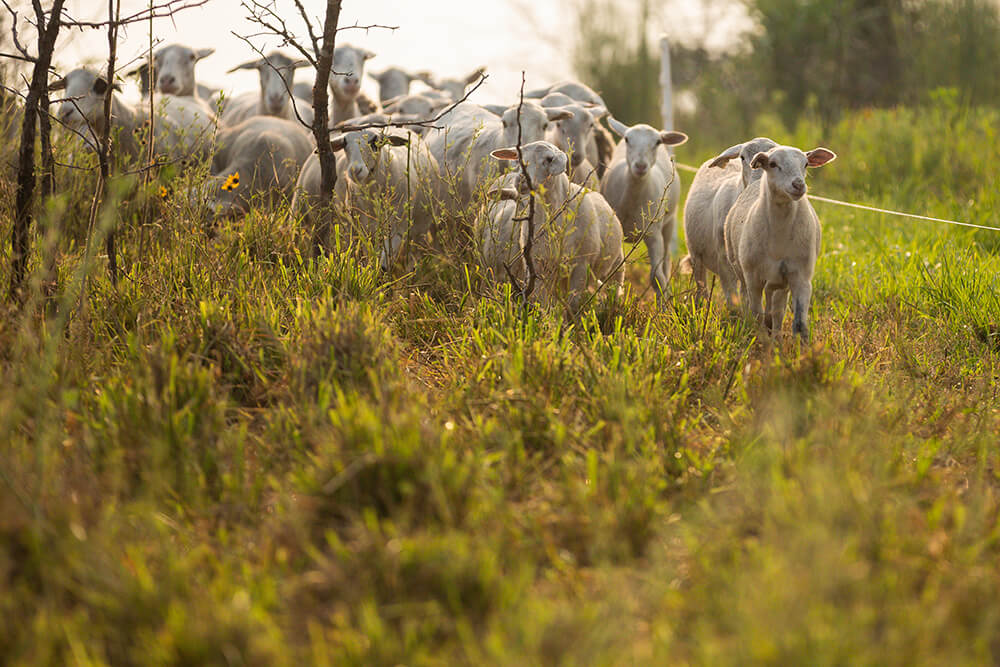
{"x":667,"y":112}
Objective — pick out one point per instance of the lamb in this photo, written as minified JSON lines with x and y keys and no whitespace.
{"x":390,"y":168}
{"x":277,"y":72}
{"x":173,"y":66}
{"x":714,"y":190}
{"x":471,"y":132}
{"x":576,"y":137}
{"x":572,"y":89}
{"x":413,"y":108}
{"x":259,"y":158}
{"x":395,"y":82}
{"x":773,"y":236}
{"x":141,"y":73}
{"x":642,"y":186}
{"x":453,"y":88}
{"x":345,"y":82}
{"x":577,"y":234}
{"x":181,"y":127}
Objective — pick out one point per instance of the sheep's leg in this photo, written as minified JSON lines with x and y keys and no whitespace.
{"x":777,"y":300}
{"x":577,"y":284}
{"x":755,"y":293}
{"x":698,"y":273}
{"x":656,"y":250}
{"x":801,"y":294}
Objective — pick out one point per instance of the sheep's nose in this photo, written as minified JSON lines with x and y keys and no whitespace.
{"x":641,"y":168}
{"x":799,"y":186}
{"x":167,"y":81}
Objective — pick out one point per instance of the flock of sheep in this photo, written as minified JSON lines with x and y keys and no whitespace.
{"x":746,"y":217}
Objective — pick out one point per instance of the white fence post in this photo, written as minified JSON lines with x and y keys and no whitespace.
{"x":667,"y":112}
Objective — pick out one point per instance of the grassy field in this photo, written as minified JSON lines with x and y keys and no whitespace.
{"x":244,"y":456}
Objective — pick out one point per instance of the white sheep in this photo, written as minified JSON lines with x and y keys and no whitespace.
{"x":716,"y":186}
{"x":572,"y":89}
{"x":386,"y":178}
{"x":577,"y":234}
{"x":173,"y":68}
{"x":141,"y":73}
{"x":470,"y":133}
{"x":413,"y":108}
{"x":345,"y":82}
{"x":773,"y":236}
{"x":453,"y":88}
{"x":642,"y":186}
{"x":395,"y":82}
{"x":257,"y":160}
{"x":181,"y":129}
{"x":576,"y":137}
{"x":277,"y":74}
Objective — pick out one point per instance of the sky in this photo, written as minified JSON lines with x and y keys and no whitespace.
{"x":448,"y":37}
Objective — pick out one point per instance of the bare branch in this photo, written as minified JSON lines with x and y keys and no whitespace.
{"x":164,"y":10}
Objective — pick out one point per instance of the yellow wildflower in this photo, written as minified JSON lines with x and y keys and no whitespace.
{"x":164,"y":193}
{"x":232,"y":182}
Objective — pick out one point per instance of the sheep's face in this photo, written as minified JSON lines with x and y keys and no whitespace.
{"x":642,"y":142}
{"x":393,"y":82}
{"x":543,"y":161}
{"x":82,"y":108}
{"x":572,"y":134}
{"x":363,"y":149}
{"x":174,"y":67}
{"x":534,"y":123}
{"x":785,"y":168}
{"x":747,"y":153}
{"x":348,"y":68}
{"x":277,"y":76}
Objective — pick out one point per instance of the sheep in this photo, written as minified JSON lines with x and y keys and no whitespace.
{"x":573,"y":89}
{"x":141,"y":73}
{"x":642,"y":186}
{"x":395,"y":82}
{"x":264,"y":155}
{"x":462,"y":148}
{"x":173,"y":66}
{"x":773,"y":235}
{"x":181,"y":128}
{"x":714,"y":190}
{"x":390,"y":168}
{"x":413,"y":108}
{"x":576,"y":136}
{"x":345,"y":82}
{"x":453,"y":88}
{"x":577,"y":234}
{"x":277,"y":72}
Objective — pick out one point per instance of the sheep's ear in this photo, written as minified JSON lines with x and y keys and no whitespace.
{"x":505,"y":154}
{"x":617,"y":126}
{"x":504,"y":194}
{"x":425,"y":77}
{"x":376,"y":75}
{"x":100,"y":86}
{"x":724,"y":157}
{"x":817,"y":157}
{"x":58,"y":84}
{"x":474,"y":76}
{"x":597,"y":112}
{"x":558,"y":113}
{"x":300,"y":63}
{"x":366,"y":54}
{"x":137,"y":71}
{"x":495,"y":109}
{"x":759,"y":161}
{"x":338,"y":143}
{"x":203,"y":53}
{"x":252,"y":64}
{"x":396,"y":140}
{"x":672,"y":138}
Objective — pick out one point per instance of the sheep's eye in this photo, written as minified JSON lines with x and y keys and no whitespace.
{"x":774,"y":165}
{"x":548,"y":160}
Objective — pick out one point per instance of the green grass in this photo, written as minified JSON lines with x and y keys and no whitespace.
{"x":242,"y":455}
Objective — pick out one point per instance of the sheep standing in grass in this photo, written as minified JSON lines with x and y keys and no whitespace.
{"x":257,"y":160}
{"x":713,"y":192}
{"x":181,"y":129}
{"x":385,"y":179}
{"x":642,"y":186}
{"x":577,"y":234}
{"x":345,"y":82}
{"x":773,"y":236}
{"x":277,"y":74}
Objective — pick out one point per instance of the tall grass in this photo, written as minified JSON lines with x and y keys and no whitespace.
{"x":244,"y":455}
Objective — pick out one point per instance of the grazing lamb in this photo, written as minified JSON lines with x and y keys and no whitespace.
{"x":773,"y":236}
{"x":258,"y":159}
{"x":277,"y":72}
{"x":385,"y":178}
{"x":577,"y":234}
{"x":395,"y":82}
{"x":453,"y":88}
{"x":181,"y":129}
{"x":470,"y":133}
{"x":716,"y":186}
{"x":345,"y":82}
{"x":642,"y":186}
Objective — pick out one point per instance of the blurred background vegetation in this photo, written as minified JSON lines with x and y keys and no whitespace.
{"x":802,"y":58}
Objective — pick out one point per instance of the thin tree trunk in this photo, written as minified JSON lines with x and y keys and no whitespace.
{"x":20,"y":240}
{"x":321,"y":124}
{"x":114,"y":14}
